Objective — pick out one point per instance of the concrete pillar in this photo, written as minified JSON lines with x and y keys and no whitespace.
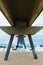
{"x":9,"y":46}
{"x":24,"y":43}
{"x":17,"y":43}
{"x":21,"y":41}
{"x":32,"y":46}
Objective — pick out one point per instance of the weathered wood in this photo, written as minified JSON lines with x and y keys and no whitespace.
{"x":32,"y":46}
{"x":8,"y":49}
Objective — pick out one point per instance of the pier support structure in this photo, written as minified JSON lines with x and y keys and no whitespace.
{"x":32,"y":46}
{"x":9,"y":46}
{"x":21,"y":41}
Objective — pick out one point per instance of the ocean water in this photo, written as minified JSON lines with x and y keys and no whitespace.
{"x":35,"y":41}
{"x":38,"y":41}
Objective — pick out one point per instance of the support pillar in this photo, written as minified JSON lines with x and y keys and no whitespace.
{"x":9,"y":46}
{"x":21,"y":41}
{"x":17,"y":43}
{"x":24,"y":43}
{"x":32,"y":46}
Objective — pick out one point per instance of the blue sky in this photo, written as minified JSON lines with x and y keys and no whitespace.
{"x":6,"y":37}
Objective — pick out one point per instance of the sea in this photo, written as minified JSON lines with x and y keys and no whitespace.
{"x":38,"y":41}
{"x":35,"y":42}
{"x":38,"y":44}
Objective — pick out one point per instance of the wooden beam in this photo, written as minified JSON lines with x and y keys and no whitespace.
{"x":9,"y":46}
{"x":32,"y":46}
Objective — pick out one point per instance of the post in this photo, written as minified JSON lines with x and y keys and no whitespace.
{"x":32,"y":46}
{"x":24,"y":43}
{"x":17,"y":43}
{"x":21,"y":41}
{"x":9,"y":46}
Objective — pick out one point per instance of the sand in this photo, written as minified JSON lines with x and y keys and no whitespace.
{"x":21,"y":58}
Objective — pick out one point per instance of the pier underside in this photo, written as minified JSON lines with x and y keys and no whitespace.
{"x":21,"y":14}
{"x":20,"y":41}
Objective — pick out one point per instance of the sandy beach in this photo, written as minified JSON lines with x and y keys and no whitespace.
{"x":21,"y":58}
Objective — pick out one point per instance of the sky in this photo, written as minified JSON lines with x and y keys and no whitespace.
{"x":39,"y":22}
{"x":6,"y":37}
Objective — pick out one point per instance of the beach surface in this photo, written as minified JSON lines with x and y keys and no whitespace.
{"x":21,"y":58}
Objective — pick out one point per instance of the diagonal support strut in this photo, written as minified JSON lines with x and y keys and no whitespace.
{"x":32,"y":46}
{"x":9,"y":46}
